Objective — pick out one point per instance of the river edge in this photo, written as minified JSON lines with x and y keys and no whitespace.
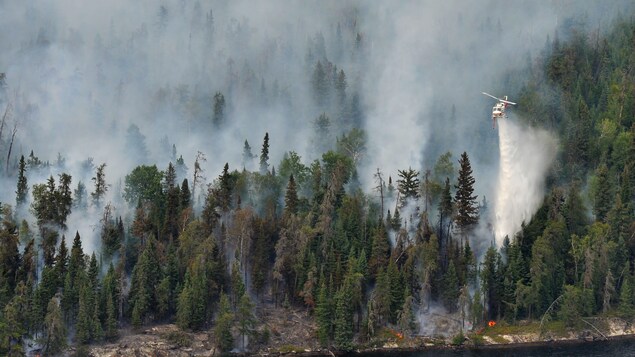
{"x":295,"y":335}
{"x":405,"y":351}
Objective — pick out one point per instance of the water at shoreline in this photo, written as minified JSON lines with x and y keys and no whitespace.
{"x":621,"y":347}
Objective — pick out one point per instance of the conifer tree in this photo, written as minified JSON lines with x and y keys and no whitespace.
{"x":406,"y":316}
{"x":219,"y":110}
{"x":323,"y":315}
{"x":344,"y":318}
{"x":22,"y":186}
{"x":408,"y":185}
{"x":264,"y":155}
{"x":100,"y":185}
{"x":603,"y":198}
{"x":186,"y":196}
{"x":245,"y":318}
{"x":450,"y":288}
{"x":380,"y":250}
{"x":64,"y":200}
{"x":626,"y":308}
{"x":54,"y":329}
{"x":465,"y":200}
{"x":248,"y":156}
{"x":222,"y":329}
{"x":291,"y":198}
{"x":184,"y":305}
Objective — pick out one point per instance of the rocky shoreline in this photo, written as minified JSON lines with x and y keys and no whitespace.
{"x":168,"y":340}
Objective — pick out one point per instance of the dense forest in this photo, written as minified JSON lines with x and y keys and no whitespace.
{"x":175,"y":245}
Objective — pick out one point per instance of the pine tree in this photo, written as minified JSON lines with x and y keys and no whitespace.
{"x":380,"y":250}
{"x":64,"y":200}
{"x":450,"y":288}
{"x":186,"y":196}
{"x":408,"y":185}
{"x":184,"y":305}
{"x":245,"y":318}
{"x":264,"y":155}
{"x":603,"y":197}
{"x":54,"y":329}
{"x":344,"y":318}
{"x":100,"y":185}
{"x":23,"y":188}
{"x":84,"y":334}
{"x":323,"y":315}
{"x":291,"y":198}
{"x":626,"y":308}
{"x":222,"y":330}
{"x":491,"y":276}
{"x":111,"y":332}
{"x":406,"y":317}
{"x":465,"y":200}
{"x":219,"y":110}
{"x":248,"y":156}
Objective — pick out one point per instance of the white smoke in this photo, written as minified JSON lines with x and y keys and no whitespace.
{"x":525,"y":156}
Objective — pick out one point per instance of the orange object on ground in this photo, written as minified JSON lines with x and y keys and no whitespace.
{"x":491,"y":323}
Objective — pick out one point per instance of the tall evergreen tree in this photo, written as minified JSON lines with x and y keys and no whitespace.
{"x":408,"y":185}
{"x":245,"y":318}
{"x":22,"y":186}
{"x":100,"y":185}
{"x":465,"y":200}
{"x":222,"y":329}
{"x":291,"y":198}
{"x":54,"y":329}
{"x":264,"y":155}
{"x":603,"y":197}
{"x":219,"y":109}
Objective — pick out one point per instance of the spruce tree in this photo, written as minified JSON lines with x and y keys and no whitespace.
{"x":54,"y":329}
{"x":219,"y":110}
{"x":23,"y":188}
{"x":291,"y":198}
{"x":264,"y":155}
{"x":100,"y":185}
{"x":323,"y":315}
{"x":465,"y":200}
{"x":626,"y":308}
{"x":603,"y":196}
{"x":450,"y":288}
{"x":222,"y":329}
{"x":408,"y":185}
{"x":248,"y":156}
{"x":344,"y":318}
{"x":245,"y":318}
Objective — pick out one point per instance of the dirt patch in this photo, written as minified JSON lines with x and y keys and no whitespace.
{"x":279,"y":330}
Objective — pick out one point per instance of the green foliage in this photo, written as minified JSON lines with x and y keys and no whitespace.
{"x":22,"y":186}
{"x":143,"y":184}
{"x":54,"y":339}
{"x":222,"y":328}
{"x":465,"y":200}
{"x":323,"y":316}
{"x":245,"y":318}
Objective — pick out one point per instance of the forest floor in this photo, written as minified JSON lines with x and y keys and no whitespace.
{"x":293,"y":331}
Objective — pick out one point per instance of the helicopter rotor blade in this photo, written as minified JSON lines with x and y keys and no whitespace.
{"x":508,"y":102}
{"x":491,"y":96}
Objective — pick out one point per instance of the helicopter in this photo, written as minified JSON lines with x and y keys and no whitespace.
{"x":498,"y":111}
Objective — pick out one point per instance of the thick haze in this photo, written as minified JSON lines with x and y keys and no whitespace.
{"x":79,"y":74}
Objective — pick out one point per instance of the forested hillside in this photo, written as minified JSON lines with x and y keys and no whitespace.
{"x":177,"y":243}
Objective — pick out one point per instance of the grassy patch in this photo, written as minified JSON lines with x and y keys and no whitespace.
{"x":555,"y":328}
{"x":290,"y":348}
